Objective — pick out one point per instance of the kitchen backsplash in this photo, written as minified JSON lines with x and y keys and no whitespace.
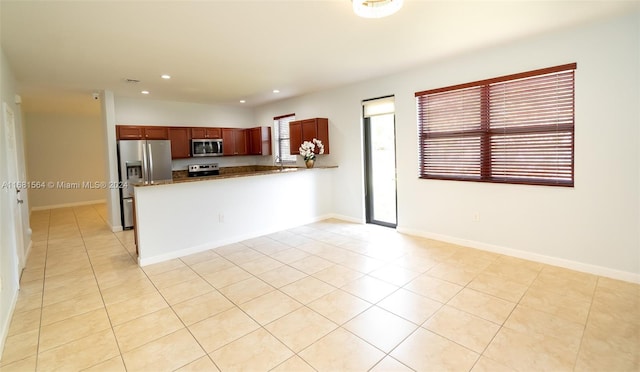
{"x":223,"y":161}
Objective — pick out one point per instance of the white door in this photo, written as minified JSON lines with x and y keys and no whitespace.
{"x":14,"y":187}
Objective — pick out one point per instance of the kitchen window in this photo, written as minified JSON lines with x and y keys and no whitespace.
{"x":283,"y":151}
{"x":512,"y":129}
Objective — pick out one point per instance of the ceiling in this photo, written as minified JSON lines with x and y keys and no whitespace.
{"x":221,"y":52}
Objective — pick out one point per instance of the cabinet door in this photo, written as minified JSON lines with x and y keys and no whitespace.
{"x":322,"y":132}
{"x":309,"y":131}
{"x":129,"y":132}
{"x":205,"y":133}
{"x":212,"y":133}
{"x":295,"y":136}
{"x":156,"y":133}
{"x":180,"y":142}
{"x":240,"y":136}
{"x":265,"y":141}
{"x":228,"y":141}
{"x":259,"y":141}
{"x":255,"y":141}
{"x":198,"y":133}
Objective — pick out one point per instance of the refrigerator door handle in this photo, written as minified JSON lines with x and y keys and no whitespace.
{"x":150,"y":154}
{"x":145,"y":165}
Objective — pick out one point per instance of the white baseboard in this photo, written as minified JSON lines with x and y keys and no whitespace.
{"x":348,"y":218}
{"x":67,"y":205}
{"x":5,"y":322}
{"x":550,"y":260}
{"x":27,"y":253}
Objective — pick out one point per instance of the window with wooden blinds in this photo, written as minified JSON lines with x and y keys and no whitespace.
{"x":512,"y":129}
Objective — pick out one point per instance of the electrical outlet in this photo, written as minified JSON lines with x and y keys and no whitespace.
{"x":221,"y":217}
{"x":476,"y":217}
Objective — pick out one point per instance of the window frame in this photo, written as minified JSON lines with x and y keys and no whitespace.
{"x":287,"y":158}
{"x":480,"y":152}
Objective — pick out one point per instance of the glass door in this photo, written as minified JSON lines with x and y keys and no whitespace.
{"x":380,"y":167}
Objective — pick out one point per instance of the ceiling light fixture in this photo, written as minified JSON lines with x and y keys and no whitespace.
{"x":242,"y":101}
{"x":145,"y":92}
{"x":376,"y":8}
{"x":166,"y":77}
{"x":276,"y":91}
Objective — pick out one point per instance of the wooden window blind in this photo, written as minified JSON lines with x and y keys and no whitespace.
{"x":281,"y":124}
{"x":512,"y":129}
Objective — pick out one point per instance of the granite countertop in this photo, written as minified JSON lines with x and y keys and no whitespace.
{"x":182,"y":176}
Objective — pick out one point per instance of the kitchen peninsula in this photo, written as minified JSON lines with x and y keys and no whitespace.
{"x":187,"y":216}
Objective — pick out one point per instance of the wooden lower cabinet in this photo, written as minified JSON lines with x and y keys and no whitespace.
{"x":180,"y":142}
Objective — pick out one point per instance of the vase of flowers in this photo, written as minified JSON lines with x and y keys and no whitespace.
{"x":308,"y":151}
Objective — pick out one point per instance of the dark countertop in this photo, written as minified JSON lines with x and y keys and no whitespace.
{"x":236,"y":172}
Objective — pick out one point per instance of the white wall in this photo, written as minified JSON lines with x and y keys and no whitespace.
{"x":65,"y":147}
{"x":107,"y":117}
{"x":179,"y":219}
{"x":9,"y":271}
{"x":142,"y":111}
{"x":592,"y":227}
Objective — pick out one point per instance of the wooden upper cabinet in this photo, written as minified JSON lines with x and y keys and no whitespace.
{"x":180,"y":142}
{"x":206,"y":133}
{"x":156,"y":133}
{"x":234,"y":141}
{"x":307,"y":130}
{"x":228,"y":142}
{"x":124,"y":132}
{"x":295,"y":137}
{"x":241,"y":141}
{"x":137,"y":132}
{"x":259,"y":141}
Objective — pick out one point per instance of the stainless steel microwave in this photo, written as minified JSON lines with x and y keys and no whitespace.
{"x":206,"y":147}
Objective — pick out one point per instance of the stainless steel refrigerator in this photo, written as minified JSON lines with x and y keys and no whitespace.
{"x":141,"y":162}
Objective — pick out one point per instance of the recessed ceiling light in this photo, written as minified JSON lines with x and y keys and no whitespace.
{"x":276,"y":91}
{"x":166,"y":77}
{"x":145,"y":92}
{"x":242,"y":101}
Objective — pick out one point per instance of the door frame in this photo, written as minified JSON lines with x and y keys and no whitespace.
{"x":368,"y":171}
{"x":13,"y":173}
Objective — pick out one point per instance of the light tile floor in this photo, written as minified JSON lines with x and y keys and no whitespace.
{"x":330,"y":296}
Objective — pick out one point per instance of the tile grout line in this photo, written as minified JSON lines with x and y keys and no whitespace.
{"x":44,"y":278}
{"x":586,"y":322}
{"x":501,"y":326}
{"x":95,"y":278}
